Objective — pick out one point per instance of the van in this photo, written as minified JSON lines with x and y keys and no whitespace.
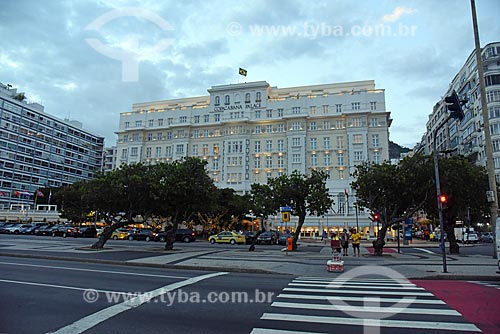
{"x":466,"y":235}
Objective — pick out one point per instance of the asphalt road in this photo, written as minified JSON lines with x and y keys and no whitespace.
{"x":47,"y":296}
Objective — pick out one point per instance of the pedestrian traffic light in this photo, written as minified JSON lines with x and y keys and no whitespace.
{"x":375,"y":217}
{"x":454,"y":105}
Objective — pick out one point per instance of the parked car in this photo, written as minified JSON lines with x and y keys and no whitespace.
{"x":85,"y":232}
{"x":266,"y":238}
{"x":181,"y":234}
{"x":227,"y":237}
{"x":44,"y":230}
{"x":487,"y":237}
{"x":283,"y":238}
{"x":141,"y":234}
{"x":28,"y":228}
{"x":249,"y":236}
{"x":120,"y":234}
{"x":63,"y":231}
{"x":11,"y":228}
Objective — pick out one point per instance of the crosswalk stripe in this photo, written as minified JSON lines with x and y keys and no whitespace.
{"x":363,"y":299}
{"x":334,"y":285}
{"x":372,"y":322}
{"x":355,"y":279}
{"x":278,"y":331}
{"x":346,"y":282}
{"x":348,"y":308}
{"x":360,"y":292}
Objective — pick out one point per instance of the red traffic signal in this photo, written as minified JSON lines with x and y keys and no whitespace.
{"x":443,"y":198}
{"x":375,"y":217}
{"x":454,"y":105}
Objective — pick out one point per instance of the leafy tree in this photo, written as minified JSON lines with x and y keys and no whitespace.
{"x":263,"y":203}
{"x":306,"y":194}
{"x":395,"y":192}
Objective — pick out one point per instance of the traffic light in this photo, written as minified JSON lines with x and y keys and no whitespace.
{"x":375,"y":217}
{"x":443,"y":199}
{"x":285,"y":216}
{"x":454,"y":105}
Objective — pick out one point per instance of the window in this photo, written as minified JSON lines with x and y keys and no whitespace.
{"x":127,"y":125}
{"x":491,"y":80}
{"x":281,"y":127}
{"x":326,"y":143}
{"x":358,"y":155}
{"x":124,"y":153}
{"x":258,"y":97}
{"x":135,"y":137}
{"x":149,"y":137}
{"x":296,"y":142}
{"x":215,"y":164}
{"x":327,"y":160}
{"x":257,"y":146}
{"x":158,"y":152}
{"x":204,"y":149}
{"x":493,"y":96}
{"x":312,"y":110}
{"x":257,"y":129}
{"x":159,"y":136}
{"x":125,"y":138}
{"x":339,"y":124}
{"x":194,"y":150}
{"x":206,"y":118}
{"x":325,"y":109}
{"x":227,"y":100}
{"x":170,"y":120}
{"x":373,"y":105}
{"x":295,"y":110}
{"x":280,"y":161}
{"x":257,"y":113}
{"x":280,"y":112}
{"x":314,"y":160}
{"x":269,"y":113}
{"x":375,"y":140}
{"x":338,"y":108}
{"x":151,"y":123}
{"x":160,"y":121}
{"x":357,"y":122}
{"x":357,"y":139}
{"x":374,"y":122}
{"x":247,"y":98}
{"x":179,"y":149}
{"x":313,"y":126}
{"x":280,"y":145}
{"x":313,"y":142}
{"x":296,"y":126}
{"x":217,"y":117}
{"x":215,"y":148}
{"x":296,"y":158}
{"x":256,"y":162}
{"x":356,"y":106}
{"x":168,"y":151}
{"x":269,"y":128}
{"x":269,"y":145}
{"x":340,"y":159}
{"x":183,"y":119}
{"x":133,"y":152}
{"x":326,"y":125}
{"x":217,"y":101}
{"x":169,"y":135}
{"x":376,"y":157}
{"x":138,"y":123}
{"x":196,"y":133}
{"x":269,"y":162}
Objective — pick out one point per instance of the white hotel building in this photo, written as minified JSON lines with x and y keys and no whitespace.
{"x":250,"y":132}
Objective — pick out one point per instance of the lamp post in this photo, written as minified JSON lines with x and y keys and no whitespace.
{"x":356,"y":210}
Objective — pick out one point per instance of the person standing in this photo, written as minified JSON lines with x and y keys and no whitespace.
{"x":356,"y":240}
{"x":344,"y":241}
{"x":335,"y":243}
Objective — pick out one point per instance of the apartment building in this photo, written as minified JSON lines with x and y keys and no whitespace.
{"x":250,"y":132}
{"x":38,"y":150}
{"x":467,"y":137}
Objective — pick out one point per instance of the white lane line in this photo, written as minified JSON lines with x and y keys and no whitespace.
{"x":348,"y":279}
{"x":58,"y":286}
{"x":362,"y":292}
{"x":426,"y":251}
{"x":89,"y":270}
{"x":347,"y":282}
{"x":363,"y":299}
{"x":278,"y":331}
{"x":372,"y":322}
{"x":96,"y":318}
{"x":335,"y":285}
{"x":381,"y":309}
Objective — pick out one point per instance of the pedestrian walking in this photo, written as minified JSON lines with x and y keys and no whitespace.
{"x":356,"y":240}
{"x":344,"y":242}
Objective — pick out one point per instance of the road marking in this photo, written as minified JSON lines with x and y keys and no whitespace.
{"x":381,"y":309}
{"x":362,"y":292}
{"x":96,"y":318}
{"x":278,"y":331}
{"x":363,"y":299}
{"x":59,"y":286}
{"x":340,"y":285}
{"x":372,"y":322}
{"x":426,"y":251}
{"x":89,"y":270}
{"x":348,"y":282}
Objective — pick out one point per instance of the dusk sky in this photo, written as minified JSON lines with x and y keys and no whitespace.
{"x":91,"y":60}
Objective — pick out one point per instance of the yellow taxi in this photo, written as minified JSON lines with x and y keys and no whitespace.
{"x":121,"y":233}
{"x":227,"y":237}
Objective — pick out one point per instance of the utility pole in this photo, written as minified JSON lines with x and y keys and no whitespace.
{"x":486,"y":128}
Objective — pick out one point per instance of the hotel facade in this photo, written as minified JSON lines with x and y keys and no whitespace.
{"x":38,"y":150}
{"x":250,"y":132}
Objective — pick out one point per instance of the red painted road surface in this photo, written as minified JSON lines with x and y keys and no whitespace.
{"x":478,"y":304}
{"x":371,"y":250}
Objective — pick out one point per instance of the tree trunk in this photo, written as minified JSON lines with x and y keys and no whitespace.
{"x":254,"y":241}
{"x":106,"y":234}
{"x":170,"y":237}
{"x":302,"y":219}
{"x":378,"y":245}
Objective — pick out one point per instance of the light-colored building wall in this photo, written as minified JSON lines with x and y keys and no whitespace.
{"x":250,"y":132}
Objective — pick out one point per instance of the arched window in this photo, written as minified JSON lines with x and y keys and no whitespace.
{"x":247,"y":98}
{"x":227,"y":99}
{"x":217,"y":101}
{"x":258,"y":97}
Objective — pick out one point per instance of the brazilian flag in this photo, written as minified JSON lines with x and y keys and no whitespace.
{"x":243,"y":72}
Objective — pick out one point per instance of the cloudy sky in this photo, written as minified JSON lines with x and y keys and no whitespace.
{"x":91,"y":60}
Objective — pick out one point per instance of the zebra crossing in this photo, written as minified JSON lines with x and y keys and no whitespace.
{"x":489,"y":284}
{"x":318,"y":305}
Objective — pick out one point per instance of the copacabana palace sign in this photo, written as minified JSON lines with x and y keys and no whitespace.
{"x":237,"y":107}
